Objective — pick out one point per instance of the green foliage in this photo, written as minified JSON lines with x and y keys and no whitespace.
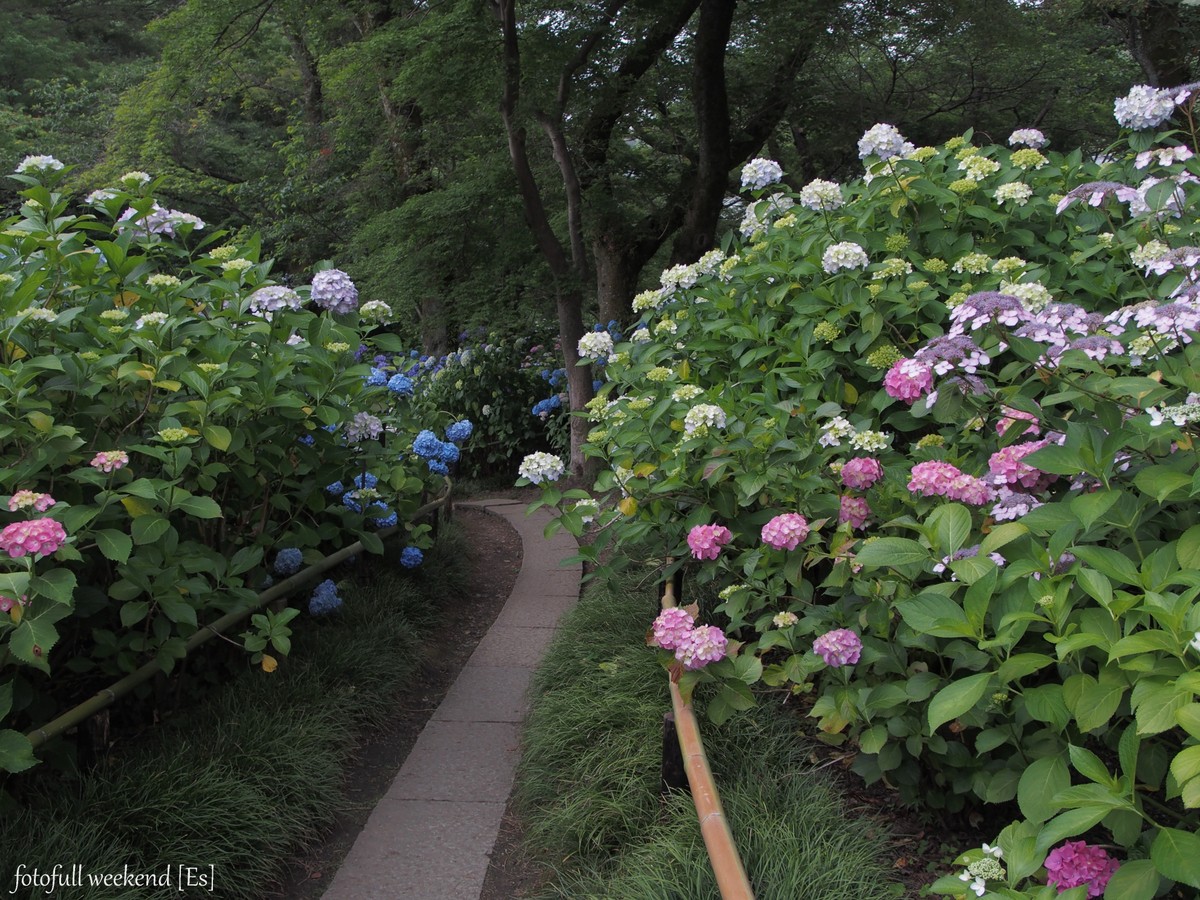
{"x":591,"y":807}
{"x":173,"y":429}
{"x":1029,"y":621}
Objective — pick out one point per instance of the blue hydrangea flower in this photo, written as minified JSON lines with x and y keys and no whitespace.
{"x":459,"y":431}
{"x":438,"y":467}
{"x":411,"y":557}
{"x":288,"y":561}
{"x":306,"y":439}
{"x":324,"y":599}
{"x":350,"y":501}
{"x":386,"y":521}
{"x":427,"y":445}
{"x":449,"y":454}
{"x":381,"y":360}
{"x":399,"y":384}
{"x":377,"y":377}
{"x":365,"y":480}
{"x":336,"y":489}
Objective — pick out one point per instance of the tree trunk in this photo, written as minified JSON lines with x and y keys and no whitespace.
{"x":616,"y":275}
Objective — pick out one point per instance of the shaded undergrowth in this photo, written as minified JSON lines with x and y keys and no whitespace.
{"x":590,"y":777}
{"x":238,"y":785}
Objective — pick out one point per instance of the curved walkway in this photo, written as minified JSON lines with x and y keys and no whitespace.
{"x":431,"y":835}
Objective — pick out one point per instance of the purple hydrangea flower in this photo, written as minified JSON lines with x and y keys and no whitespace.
{"x":841,"y":647}
{"x":333,"y":290}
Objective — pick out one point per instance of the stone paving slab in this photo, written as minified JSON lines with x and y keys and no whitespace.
{"x":512,"y":645}
{"x":431,"y":835}
{"x":487,"y":694}
{"x":420,"y":849}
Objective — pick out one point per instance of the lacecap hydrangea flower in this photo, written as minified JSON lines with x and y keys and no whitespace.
{"x":325,"y":599}
{"x":538,"y":467}
{"x":908,"y":380}
{"x":411,"y":557}
{"x":288,"y":561}
{"x":333,"y":290}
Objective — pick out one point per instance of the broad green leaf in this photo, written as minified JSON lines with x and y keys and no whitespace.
{"x":934,"y":614}
{"x":31,"y":642}
{"x":957,"y":698}
{"x":1115,"y":565}
{"x":1088,"y":764}
{"x":1177,"y":855}
{"x":1098,"y":700}
{"x":1069,"y":824}
{"x":951,"y":527}
{"x":1090,"y":507}
{"x":1136,"y":879}
{"x":16,"y":753}
{"x":1044,"y":778}
{"x":1187,"y":551}
{"x":1188,"y":716}
{"x":873,"y":739}
{"x":1186,"y":764}
{"x":1158,"y":706}
{"x":1143,"y":642}
{"x":1160,"y":482}
{"x":132,"y":613}
{"x":372,"y":543}
{"x":115,"y":545}
{"x":148,"y":529}
{"x":891,"y":551}
{"x":218,"y":436}
{"x":200,"y":507}
{"x":1001,"y":535}
{"x":56,"y":584}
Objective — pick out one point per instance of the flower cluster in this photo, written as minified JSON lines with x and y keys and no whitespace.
{"x":844,"y":255}
{"x":288,"y":561}
{"x":694,"y":645}
{"x":821,"y":195}
{"x":363,"y":427}
{"x":1027,"y":137}
{"x":942,"y":479}
{"x":538,"y":467}
{"x":785,"y":532}
{"x":883,"y":141}
{"x":271,"y":299}
{"x":908,"y":380}
{"x":702,"y":417}
{"x":758,"y":173}
{"x":861,"y":472}
{"x":30,"y":499}
{"x":854,"y":510}
{"x":108,"y":461}
{"x":706,"y":541}
{"x":1077,"y":863}
{"x":333,"y":290}
{"x":32,"y":537}
{"x":841,"y":647}
{"x":411,"y":557}
{"x":325,"y":599}
{"x":1144,"y":107}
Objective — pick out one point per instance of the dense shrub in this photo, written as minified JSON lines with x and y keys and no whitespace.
{"x":167,"y":418}
{"x":933,"y":433}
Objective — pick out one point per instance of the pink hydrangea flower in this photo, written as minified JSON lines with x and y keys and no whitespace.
{"x":861,"y":472}
{"x":109,"y":461}
{"x":672,"y":627}
{"x":932,"y":478}
{"x":785,"y":532}
{"x":1012,"y":416}
{"x":908,"y":380}
{"x":838,"y":648}
{"x":33,"y":536}
{"x":1076,"y":863}
{"x":706,"y":541}
{"x":27,"y":499}
{"x":1009,"y":468}
{"x":855,"y":511}
{"x":971,"y":490}
{"x":703,"y":645}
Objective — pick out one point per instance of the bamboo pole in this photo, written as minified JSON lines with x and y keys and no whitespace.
{"x":114,"y":692}
{"x":714,"y":827}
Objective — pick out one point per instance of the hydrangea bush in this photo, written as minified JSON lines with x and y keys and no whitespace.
{"x":167,"y":415}
{"x":973,"y":376}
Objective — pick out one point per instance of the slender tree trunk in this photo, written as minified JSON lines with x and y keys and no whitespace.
{"x":616,"y":275}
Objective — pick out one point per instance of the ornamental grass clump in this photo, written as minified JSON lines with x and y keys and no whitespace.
{"x":1018,"y":559}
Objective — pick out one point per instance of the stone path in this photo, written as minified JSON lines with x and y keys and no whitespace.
{"x":432,"y":834}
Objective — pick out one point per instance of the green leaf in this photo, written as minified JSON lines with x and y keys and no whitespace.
{"x":1187,"y":551}
{"x":1088,"y":765}
{"x":1090,"y":507}
{"x":1044,"y":778}
{"x":1137,"y":879}
{"x":1188,"y":716}
{"x":873,"y":739}
{"x":6,"y":695}
{"x":16,"y":753}
{"x":1069,"y":824}
{"x":57,"y":585}
{"x":372,"y":543}
{"x":935,"y":614}
{"x":1158,"y":706}
{"x":1186,"y":764}
{"x":1161,"y":481}
{"x":890,"y":551}
{"x":148,"y":529}
{"x":1098,"y":700}
{"x":957,"y":698}
{"x":1115,"y":565}
{"x":115,"y":545}
{"x":218,"y":436}
{"x":951,"y":527}
{"x":1002,"y":535}
{"x":132,"y":613}
{"x":201,"y":507}
{"x":1177,"y":855}
{"x":31,"y":641}
{"x":1057,"y":460}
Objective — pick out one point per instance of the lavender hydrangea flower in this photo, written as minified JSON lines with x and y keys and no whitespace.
{"x":758,"y":173}
{"x":881,"y":140}
{"x":1144,"y":107}
{"x":955,"y":350}
{"x":841,"y":647}
{"x":985,"y":307}
{"x":271,"y":299}
{"x":363,"y":427}
{"x":333,"y":290}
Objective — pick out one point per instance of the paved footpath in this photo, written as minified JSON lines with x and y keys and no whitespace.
{"x":432,"y":834}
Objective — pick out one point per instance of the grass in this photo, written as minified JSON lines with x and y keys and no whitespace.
{"x":252,"y":776}
{"x":588,"y":785}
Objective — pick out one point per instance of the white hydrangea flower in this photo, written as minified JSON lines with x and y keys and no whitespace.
{"x":1027,"y":137}
{"x":1152,"y":257}
{"x":595,"y":344}
{"x":650,"y":299}
{"x":979,"y":167}
{"x":772,"y":206}
{"x":1165,"y":156}
{"x":151,"y":319}
{"x":101,"y":196}
{"x":758,"y":173}
{"x":821,"y":195}
{"x":163,"y":281}
{"x":35,"y":164}
{"x":710,"y":262}
{"x":686,"y":392}
{"x":1144,"y":107}
{"x":1033,"y":295}
{"x":703,"y":416}
{"x":134,"y":179}
{"x":640,"y":336}
{"x":539,"y":467}
{"x":376,"y":311}
{"x":870,"y":441}
{"x":845,"y":255}
{"x":974,"y":263}
{"x":882,"y":140}
{"x":835,"y":431}
{"x":1017,"y":192}
{"x":678,"y":277}
{"x":39,"y":314}
{"x":1181,"y":414}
